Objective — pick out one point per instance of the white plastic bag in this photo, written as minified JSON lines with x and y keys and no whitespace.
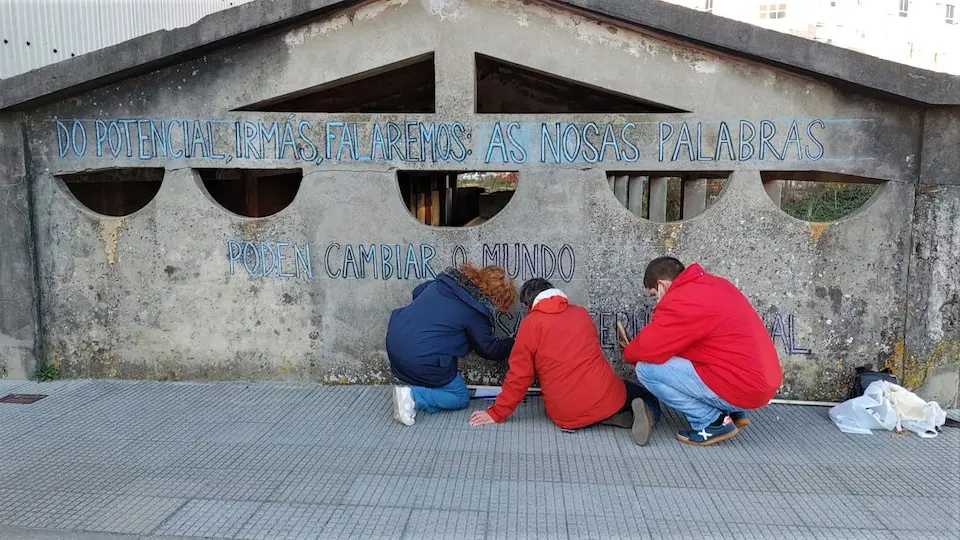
{"x":891,"y":407}
{"x":915,"y":414}
{"x":863,"y":414}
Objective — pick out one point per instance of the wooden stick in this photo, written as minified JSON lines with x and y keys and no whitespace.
{"x":771,"y":402}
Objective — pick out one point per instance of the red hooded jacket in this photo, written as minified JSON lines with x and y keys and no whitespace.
{"x":707,"y":320}
{"x":557,"y":342}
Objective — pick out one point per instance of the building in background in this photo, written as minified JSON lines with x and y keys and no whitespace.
{"x":921,"y":33}
{"x":35,"y":33}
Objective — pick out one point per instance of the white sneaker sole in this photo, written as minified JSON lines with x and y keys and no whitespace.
{"x":396,"y":405}
{"x":396,"y":408}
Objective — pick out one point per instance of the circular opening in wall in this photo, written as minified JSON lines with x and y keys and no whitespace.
{"x":254,"y":193}
{"x":665,"y":197}
{"x":817,"y":196}
{"x":456,"y":198}
{"x":115,"y":192}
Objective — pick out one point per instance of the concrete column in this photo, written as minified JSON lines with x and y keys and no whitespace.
{"x":694,"y":197}
{"x":19,"y":303}
{"x":455,"y":66}
{"x":658,"y":199}
{"x":930,"y":363}
{"x":620,"y":188}
{"x":774,"y":190}
{"x":635,"y":189}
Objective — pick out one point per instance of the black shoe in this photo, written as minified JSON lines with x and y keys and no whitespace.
{"x":711,"y":434}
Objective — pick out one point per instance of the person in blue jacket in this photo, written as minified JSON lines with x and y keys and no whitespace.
{"x":448,"y":317}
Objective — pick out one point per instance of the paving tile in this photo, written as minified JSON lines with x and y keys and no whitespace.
{"x":577,"y":469}
{"x":600,"y":500}
{"x":740,"y":531}
{"x":673,"y":504}
{"x":382,"y":490}
{"x":208,"y":519}
{"x":209,"y":483}
{"x":283,"y":521}
{"x":625,"y":526}
{"x":397,"y":461}
{"x":131,"y":515}
{"x":446,"y":524}
{"x":833,"y":511}
{"x":366,"y":522}
{"x":509,"y":525}
{"x":538,"y":498}
{"x":675,"y":472}
{"x":449,"y":464}
{"x":66,"y":511}
{"x":276,"y":460}
{"x":919,"y":514}
{"x":756,"y":508}
{"x":321,"y":486}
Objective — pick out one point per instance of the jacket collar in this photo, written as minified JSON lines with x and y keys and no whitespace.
{"x":550,"y":301}
{"x":455,"y":277}
{"x":689,"y":274}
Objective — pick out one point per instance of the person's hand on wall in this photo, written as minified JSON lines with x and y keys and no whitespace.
{"x":481,"y":418}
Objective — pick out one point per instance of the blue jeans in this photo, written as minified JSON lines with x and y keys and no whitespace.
{"x":451,"y":397}
{"x":677,"y":385}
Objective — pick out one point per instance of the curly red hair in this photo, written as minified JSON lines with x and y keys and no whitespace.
{"x":493,"y":282}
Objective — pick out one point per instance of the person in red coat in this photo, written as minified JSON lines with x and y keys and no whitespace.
{"x":706,"y":353}
{"x":557,"y":342}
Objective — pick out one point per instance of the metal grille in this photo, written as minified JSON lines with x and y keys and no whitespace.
{"x":22,"y":399}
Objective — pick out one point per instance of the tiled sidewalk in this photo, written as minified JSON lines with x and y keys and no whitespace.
{"x":273,"y":461}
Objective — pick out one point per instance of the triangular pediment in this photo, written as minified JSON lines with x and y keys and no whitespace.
{"x":408,"y":86}
{"x":507,"y":88}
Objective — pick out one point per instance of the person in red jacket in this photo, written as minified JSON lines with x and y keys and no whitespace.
{"x":557,"y":342}
{"x":705,"y":353}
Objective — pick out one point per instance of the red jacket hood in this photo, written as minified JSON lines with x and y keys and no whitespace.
{"x":550,"y":301}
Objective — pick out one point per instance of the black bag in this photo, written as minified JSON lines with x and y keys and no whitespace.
{"x":865,"y":375}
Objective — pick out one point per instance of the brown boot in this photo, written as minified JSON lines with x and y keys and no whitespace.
{"x":642,"y":422}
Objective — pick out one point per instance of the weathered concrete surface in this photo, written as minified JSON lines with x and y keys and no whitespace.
{"x":941,"y":160}
{"x":931,"y":359}
{"x":164,"y":293}
{"x":18,"y":292}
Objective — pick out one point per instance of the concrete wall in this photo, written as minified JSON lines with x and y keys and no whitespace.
{"x":18,"y":292}
{"x":164,"y":293}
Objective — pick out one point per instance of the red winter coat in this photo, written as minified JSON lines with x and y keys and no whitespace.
{"x":707,"y":320}
{"x":557,"y":342}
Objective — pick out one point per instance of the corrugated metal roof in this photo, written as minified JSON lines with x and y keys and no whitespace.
{"x":35,"y":33}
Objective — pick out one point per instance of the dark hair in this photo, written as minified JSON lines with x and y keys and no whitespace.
{"x":661,"y":268}
{"x":532,"y":288}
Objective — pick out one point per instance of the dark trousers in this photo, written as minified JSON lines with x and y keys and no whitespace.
{"x":638,"y":391}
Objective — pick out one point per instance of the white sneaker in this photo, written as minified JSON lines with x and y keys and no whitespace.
{"x":403,"y":406}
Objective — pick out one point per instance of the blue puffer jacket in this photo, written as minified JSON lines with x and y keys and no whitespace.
{"x":448,"y":318}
